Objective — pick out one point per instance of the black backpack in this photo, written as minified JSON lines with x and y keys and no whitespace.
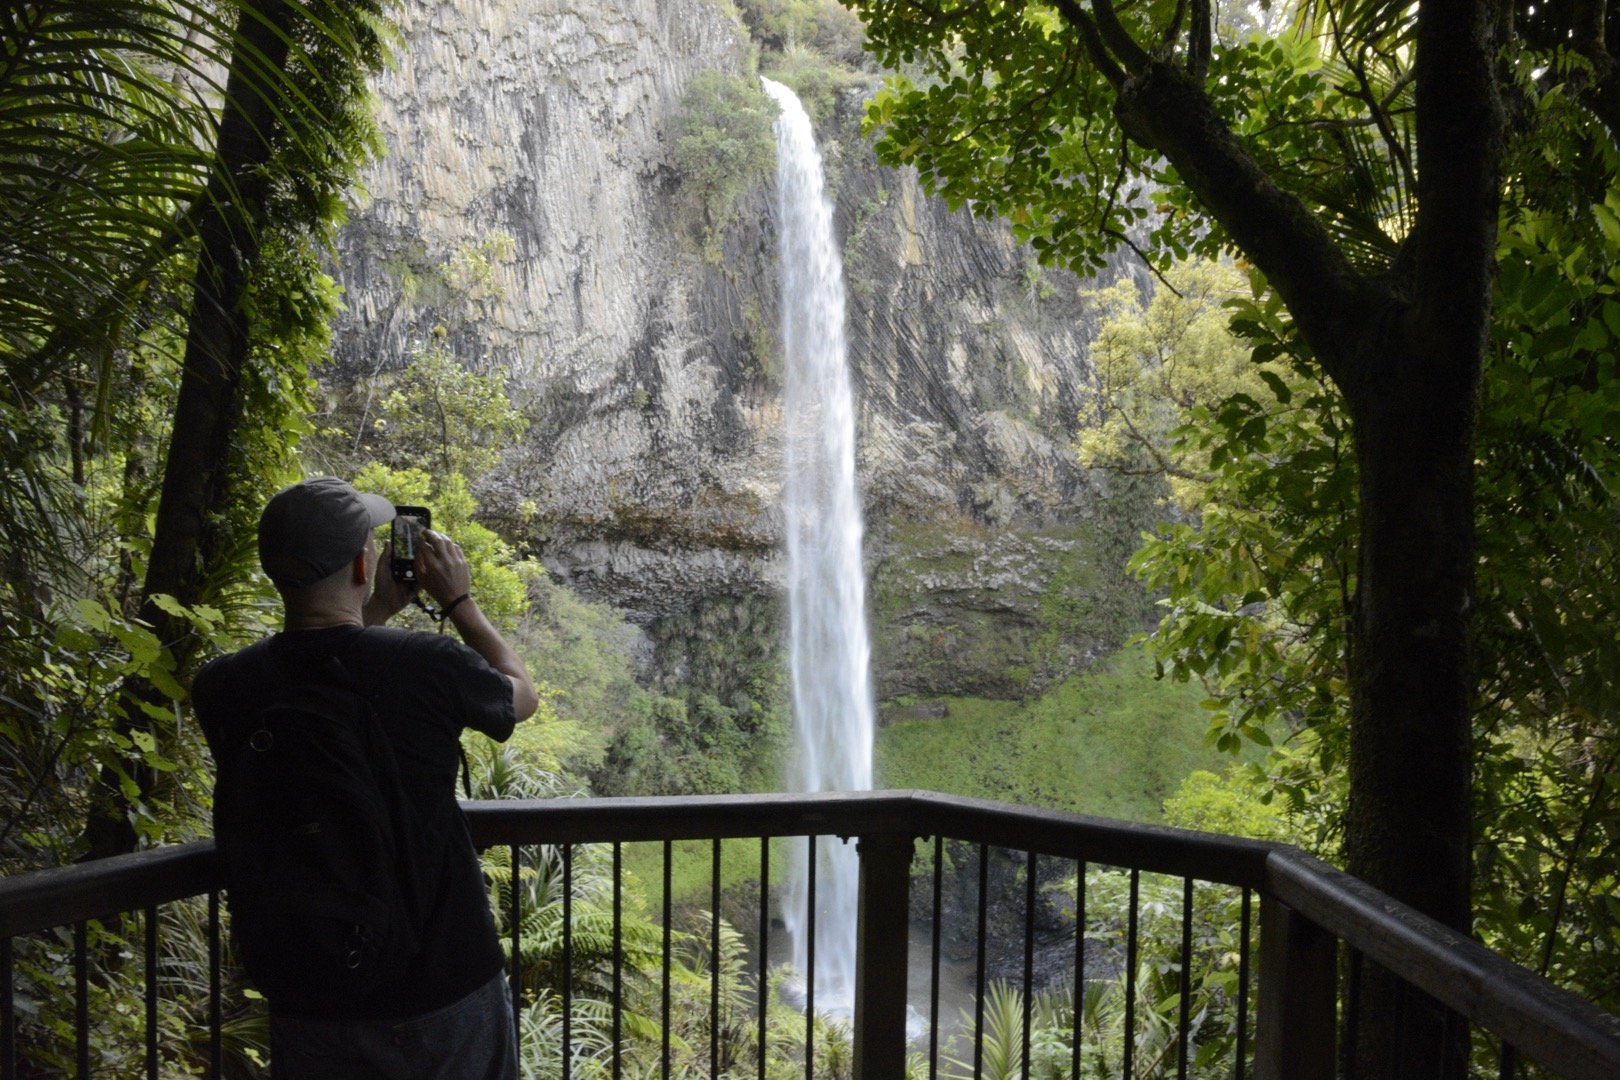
{"x":307,"y":799}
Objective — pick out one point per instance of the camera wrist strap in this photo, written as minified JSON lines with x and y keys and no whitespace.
{"x":442,"y":614}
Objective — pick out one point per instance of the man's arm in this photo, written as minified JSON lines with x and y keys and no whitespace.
{"x":443,"y":570}
{"x":480,"y":634}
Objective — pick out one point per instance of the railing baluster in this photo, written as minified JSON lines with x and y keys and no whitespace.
{"x":216,"y":997}
{"x":714,"y":962}
{"x":515,"y":914}
{"x":764,"y":943}
{"x":568,"y":962}
{"x":933,"y":979}
{"x":618,"y":960}
{"x":1352,"y":1010}
{"x":1294,"y":1039}
{"x":668,"y":933}
{"x":1183,"y":1021}
{"x":1507,"y":1062}
{"x":8,"y":1009}
{"x":810,"y":963}
{"x":881,"y":952}
{"x":1079,"y":963}
{"x":81,"y":990}
{"x":1129,"y":1069}
{"x":978,"y":982}
{"x":1243,"y":988}
{"x":1029,"y":955}
{"x":150,"y":959}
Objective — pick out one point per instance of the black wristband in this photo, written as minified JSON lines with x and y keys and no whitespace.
{"x":444,"y":613}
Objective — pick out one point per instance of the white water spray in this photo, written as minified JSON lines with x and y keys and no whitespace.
{"x":832,"y":696}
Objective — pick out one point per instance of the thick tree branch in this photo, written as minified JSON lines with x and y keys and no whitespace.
{"x":207,"y":411}
{"x":1460,"y":133}
{"x":1167,"y":40}
{"x":1600,"y":91}
{"x":230,"y":220}
{"x":1588,"y":18}
{"x":1165,"y":110}
{"x":1124,"y":47}
{"x":1200,"y":40}
{"x":1092,"y":40}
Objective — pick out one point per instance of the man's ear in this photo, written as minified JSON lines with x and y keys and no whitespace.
{"x":360,"y":570}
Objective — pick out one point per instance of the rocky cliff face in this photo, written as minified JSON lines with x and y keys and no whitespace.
{"x":648,"y":363}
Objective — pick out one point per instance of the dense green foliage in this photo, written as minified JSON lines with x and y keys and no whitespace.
{"x":1114,"y":743}
{"x":1151,"y":364}
{"x":111,"y":153}
{"x":1263,"y":632}
{"x":824,"y":26}
{"x":119,"y":168}
{"x":1104,"y":126}
{"x":723,"y":147}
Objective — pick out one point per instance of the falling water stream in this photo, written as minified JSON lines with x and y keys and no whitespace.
{"x":827,"y":639}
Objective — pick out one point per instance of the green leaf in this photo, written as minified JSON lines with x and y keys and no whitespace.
{"x":165,"y":684}
{"x":1611,"y":316}
{"x":1609,"y":222}
{"x":94,"y":614}
{"x":169,"y":604}
{"x":1278,"y":387}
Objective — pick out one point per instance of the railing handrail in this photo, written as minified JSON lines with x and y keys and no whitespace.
{"x":64,"y":895}
{"x":1228,"y":860}
{"x":1545,"y":1022}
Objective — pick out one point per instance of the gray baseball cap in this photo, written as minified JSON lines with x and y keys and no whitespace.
{"x":313,"y":529}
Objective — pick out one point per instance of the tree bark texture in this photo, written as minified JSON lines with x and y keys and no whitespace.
{"x":1414,"y":403}
{"x":1408,"y":829}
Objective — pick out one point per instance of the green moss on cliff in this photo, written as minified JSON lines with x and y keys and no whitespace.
{"x":961,"y":607}
{"x":1114,"y":743}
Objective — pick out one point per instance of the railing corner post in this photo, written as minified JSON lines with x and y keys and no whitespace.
{"x":880,"y":957}
{"x":1295,"y":1025}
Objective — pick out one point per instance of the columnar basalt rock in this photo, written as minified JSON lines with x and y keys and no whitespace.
{"x":654,"y":465}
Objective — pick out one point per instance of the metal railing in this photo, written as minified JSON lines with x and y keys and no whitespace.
{"x":1314,"y":923}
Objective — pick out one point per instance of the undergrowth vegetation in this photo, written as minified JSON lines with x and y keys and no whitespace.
{"x":1114,"y":742}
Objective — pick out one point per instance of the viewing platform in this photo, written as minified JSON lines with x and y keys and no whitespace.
{"x":1302,"y":933}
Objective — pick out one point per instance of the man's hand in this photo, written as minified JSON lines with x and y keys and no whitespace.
{"x":388,"y":596}
{"x":442,"y":568}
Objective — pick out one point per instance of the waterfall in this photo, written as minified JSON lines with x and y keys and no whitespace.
{"x":832,"y":697}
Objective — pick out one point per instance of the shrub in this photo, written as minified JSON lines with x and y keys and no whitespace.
{"x":723,"y":145}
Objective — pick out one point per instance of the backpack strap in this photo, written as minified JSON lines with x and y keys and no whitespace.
{"x":340,"y":676}
{"x":331,"y":672}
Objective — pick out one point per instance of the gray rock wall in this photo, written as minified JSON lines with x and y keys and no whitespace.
{"x":653,"y":462}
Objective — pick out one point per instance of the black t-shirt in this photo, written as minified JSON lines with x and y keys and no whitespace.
{"x":424,"y":689}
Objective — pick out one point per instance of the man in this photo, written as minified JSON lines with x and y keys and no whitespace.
{"x":449,"y":1013}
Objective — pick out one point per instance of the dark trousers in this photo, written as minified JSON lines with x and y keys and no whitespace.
{"x":471,"y":1039}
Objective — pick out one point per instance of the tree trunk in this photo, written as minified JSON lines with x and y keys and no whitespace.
{"x":1414,"y":397}
{"x":230,"y":221}
{"x":1408,"y":828}
{"x":230,"y":224}
{"x":1406,"y":349}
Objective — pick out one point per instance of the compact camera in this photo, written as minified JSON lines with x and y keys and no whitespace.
{"x":410,"y":522}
